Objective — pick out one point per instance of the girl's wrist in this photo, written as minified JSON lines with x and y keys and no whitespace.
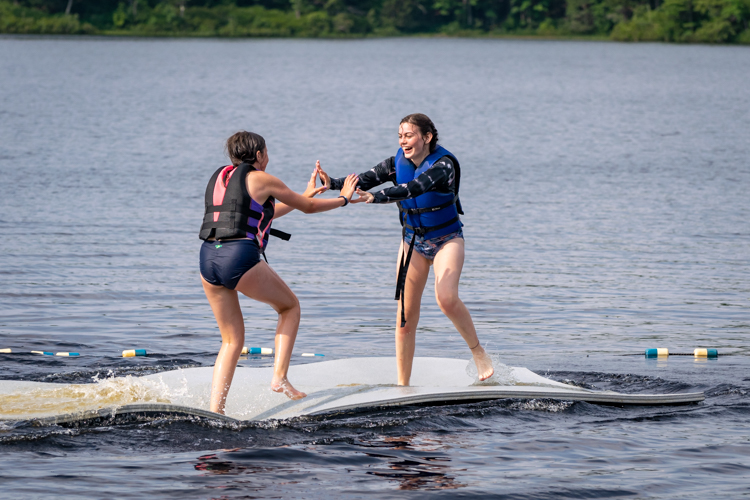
{"x":346,"y":200}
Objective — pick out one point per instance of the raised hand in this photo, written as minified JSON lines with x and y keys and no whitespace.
{"x":311,"y":190}
{"x":364,"y":196}
{"x":350,"y":184}
{"x":324,"y":178}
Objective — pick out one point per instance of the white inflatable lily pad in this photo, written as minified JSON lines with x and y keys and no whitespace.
{"x":332,"y":387}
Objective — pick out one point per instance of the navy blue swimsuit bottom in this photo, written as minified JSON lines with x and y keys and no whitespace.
{"x":224,"y":262}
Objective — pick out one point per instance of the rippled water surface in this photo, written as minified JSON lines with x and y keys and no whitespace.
{"x":606,"y":196}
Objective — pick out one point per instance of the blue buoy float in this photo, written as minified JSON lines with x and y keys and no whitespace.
{"x":67,"y":354}
{"x":657,"y":353}
{"x":310,"y":354}
{"x":257,"y":350}
{"x":45,"y":353}
{"x":706,"y":353}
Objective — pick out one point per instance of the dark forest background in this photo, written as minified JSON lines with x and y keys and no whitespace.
{"x":704,"y":21}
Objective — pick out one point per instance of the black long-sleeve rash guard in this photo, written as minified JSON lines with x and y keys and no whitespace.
{"x":441,"y":177}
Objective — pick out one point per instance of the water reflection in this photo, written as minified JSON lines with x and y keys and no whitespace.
{"x":215,"y":465}
{"x":422,"y":472}
{"x":412,"y":462}
{"x":660,"y":362}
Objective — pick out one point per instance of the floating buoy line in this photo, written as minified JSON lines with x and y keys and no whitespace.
{"x":663,"y":352}
{"x":132,"y":353}
{"x":700,"y":352}
{"x":658,"y":352}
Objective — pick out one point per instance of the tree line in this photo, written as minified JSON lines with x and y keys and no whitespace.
{"x":703,"y":21}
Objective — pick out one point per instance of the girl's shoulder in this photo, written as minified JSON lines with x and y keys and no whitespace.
{"x":445,"y":160}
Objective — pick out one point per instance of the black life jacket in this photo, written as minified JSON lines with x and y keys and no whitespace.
{"x":232,"y":213}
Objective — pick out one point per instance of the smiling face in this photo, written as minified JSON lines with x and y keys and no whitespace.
{"x":415,"y":145}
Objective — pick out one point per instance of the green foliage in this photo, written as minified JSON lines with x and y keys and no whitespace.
{"x":645,"y":25}
{"x":406,"y":15}
{"x":580,"y":14}
{"x":700,"y":21}
{"x":527,"y":14}
{"x":722,"y":20}
{"x":703,"y":21}
{"x":20,"y":19}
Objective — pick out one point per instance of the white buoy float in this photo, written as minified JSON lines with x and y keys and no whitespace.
{"x":706,"y":353}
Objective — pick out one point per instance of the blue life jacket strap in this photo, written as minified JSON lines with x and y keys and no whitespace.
{"x":416,"y":211}
{"x":422,"y":230}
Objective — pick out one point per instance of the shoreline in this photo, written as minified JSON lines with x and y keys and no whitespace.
{"x":715,"y":24}
{"x":488,"y":36}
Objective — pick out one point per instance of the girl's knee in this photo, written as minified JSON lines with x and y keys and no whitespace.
{"x":235,"y":344}
{"x":233,"y":333}
{"x":291,"y":306}
{"x":448,"y":302}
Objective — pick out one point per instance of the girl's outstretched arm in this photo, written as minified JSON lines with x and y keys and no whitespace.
{"x":282,"y":209}
{"x":382,"y":172}
{"x":261,"y":185}
{"x":439,"y":177}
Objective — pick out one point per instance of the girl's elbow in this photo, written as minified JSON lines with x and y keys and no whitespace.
{"x":309,"y":208}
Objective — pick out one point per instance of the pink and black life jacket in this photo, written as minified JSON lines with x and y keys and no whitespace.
{"x":232,"y":213}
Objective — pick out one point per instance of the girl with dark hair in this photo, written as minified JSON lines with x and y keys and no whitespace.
{"x":241,"y":202}
{"x":426,"y":180}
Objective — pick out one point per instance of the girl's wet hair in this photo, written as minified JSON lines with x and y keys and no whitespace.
{"x":244,"y":146}
{"x":424,"y":124}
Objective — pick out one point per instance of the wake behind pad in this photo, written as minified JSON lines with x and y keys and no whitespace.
{"x":332,"y":387}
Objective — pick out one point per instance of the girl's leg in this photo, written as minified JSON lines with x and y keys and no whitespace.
{"x":261,"y":283}
{"x":226,"y":308}
{"x":448,"y":264}
{"x":416,"y":278}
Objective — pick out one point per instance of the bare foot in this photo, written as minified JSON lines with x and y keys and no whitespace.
{"x":283,"y":385}
{"x":483,"y":362}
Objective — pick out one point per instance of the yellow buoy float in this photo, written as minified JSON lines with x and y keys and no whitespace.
{"x":131,"y":353}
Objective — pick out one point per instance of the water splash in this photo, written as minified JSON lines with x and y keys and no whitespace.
{"x":48,"y":400}
{"x":503,"y":373}
{"x":548,"y":405}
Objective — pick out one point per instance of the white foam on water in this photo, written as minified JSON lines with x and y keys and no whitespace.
{"x":542,"y":405}
{"x":52,"y":399}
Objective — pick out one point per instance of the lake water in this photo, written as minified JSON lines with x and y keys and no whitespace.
{"x":607,"y":211}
